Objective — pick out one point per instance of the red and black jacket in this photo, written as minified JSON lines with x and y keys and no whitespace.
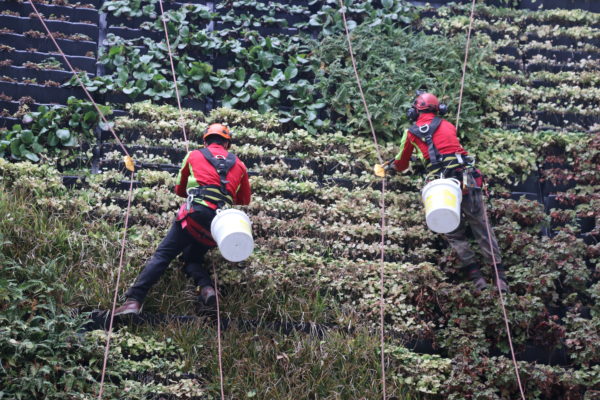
{"x":196,"y":172}
{"x":445,"y":142}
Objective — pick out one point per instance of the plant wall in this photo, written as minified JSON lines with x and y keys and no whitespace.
{"x":315,"y":216}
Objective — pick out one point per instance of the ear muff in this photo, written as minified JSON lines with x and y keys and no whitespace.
{"x":442,"y":109}
{"x":412,"y":114}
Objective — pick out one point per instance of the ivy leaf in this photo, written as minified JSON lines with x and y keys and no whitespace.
{"x":387,"y":3}
{"x":89,"y":117}
{"x":115,"y":50}
{"x":119,"y":60}
{"x":15,"y":148}
{"x":52,"y":140}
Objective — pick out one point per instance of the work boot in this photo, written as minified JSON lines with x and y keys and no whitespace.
{"x":131,"y":306}
{"x":208,"y":295}
{"x":476,"y":277}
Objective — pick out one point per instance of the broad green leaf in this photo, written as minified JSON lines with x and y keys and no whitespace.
{"x":31,"y":156}
{"x":291,"y":72}
{"x":63,"y":134}
{"x":27,"y":136}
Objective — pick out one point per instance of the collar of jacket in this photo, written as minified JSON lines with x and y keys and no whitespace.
{"x":425,"y":118}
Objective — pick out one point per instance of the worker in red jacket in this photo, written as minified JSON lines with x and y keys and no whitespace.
{"x":436,"y":143}
{"x":210,"y":178}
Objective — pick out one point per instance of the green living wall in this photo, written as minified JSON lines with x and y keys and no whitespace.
{"x":315,"y":216}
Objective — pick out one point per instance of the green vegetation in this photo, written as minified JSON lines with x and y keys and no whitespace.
{"x":393,"y":64}
{"x":52,"y":133}
{"x":316,"y":261}
{"x":315,"y":214}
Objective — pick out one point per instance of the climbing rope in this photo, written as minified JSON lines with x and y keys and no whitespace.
{"x":181,"y":120}
{"x":506,"y":324}
{"x":464,"y":67}
{"x":182,"y":125}
{"x":114,"y":305}
{"x":129,"y":164}
{"x":382,"y":204}
{"x":502,"y":304}
{"x":219,"y":346}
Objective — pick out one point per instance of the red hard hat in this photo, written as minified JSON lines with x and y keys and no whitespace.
{"x":426,"y":102}
{"x":217,"y":129}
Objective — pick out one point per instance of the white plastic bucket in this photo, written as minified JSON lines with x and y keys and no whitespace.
{"x":442,"y":198}
{"x":231,"y":230}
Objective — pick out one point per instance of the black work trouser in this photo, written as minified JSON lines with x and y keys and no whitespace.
{"x":176,"y":242}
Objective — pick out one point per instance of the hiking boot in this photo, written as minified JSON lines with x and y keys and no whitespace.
{"x":130,"y":306}
{"x":208,"y":295}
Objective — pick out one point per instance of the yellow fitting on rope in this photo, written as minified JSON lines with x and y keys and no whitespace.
{"x":379,"y":171}
{"x":129,"y":163}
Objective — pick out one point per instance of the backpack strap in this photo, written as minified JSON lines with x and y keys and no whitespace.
{"x":222,"y":164}
{"x":425,"y":133}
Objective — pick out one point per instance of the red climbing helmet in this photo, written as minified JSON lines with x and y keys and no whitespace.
{"x":426,"y":102}
{"x":217,"y":129}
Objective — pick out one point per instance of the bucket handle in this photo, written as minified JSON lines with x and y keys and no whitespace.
{"x":220,"y":210}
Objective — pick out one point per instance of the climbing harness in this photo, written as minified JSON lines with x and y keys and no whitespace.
{"x":198,"y":196}
{"x":223,"y":165}
{"x":425,"y":133}
{"x":444,"y":165}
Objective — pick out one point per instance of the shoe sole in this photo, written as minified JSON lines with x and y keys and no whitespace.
{"x":127,"y":312}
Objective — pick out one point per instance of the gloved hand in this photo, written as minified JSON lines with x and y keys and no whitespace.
{"x":381,"y":169}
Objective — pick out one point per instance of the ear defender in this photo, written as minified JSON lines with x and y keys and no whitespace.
{"x":412,"y":114}
{"x":442,"y":109}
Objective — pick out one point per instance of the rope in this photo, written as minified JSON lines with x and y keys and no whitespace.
{"x":181,"y":121}
{"x":487,"y":225}
{"x":382,"y":201}
{"x":510,"y":344}
{"x":78,"y":79}
{"x":360,"y":88}
{"x":220,"y":351}
{"x":129,"y":164}
{"x":464,"y":68}
{"x":182,"y":125}
{"x":114,"y":305}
